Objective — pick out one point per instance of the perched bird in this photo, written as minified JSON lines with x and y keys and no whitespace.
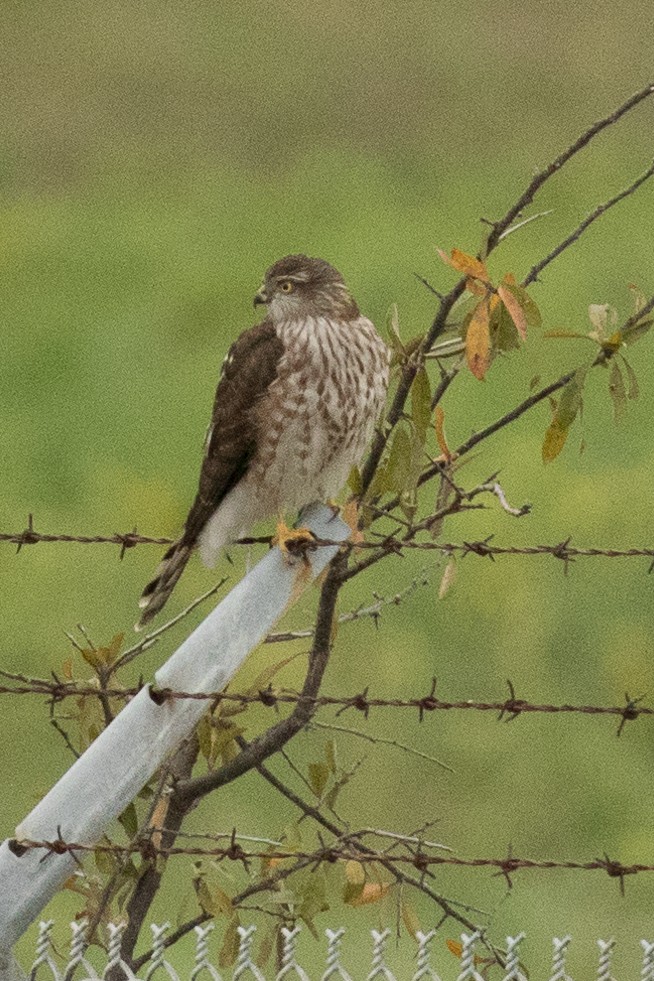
{"x":297,"y":401}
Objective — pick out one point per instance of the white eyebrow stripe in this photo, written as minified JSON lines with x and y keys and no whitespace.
{"x":294,"y":278}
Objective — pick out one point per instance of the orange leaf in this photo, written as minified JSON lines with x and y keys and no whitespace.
{"x":372,"y":892}
{"x":478,"y":340}
{"x":456,"y":948}
{"x":469,"y":265}
{"x":516,"y":312}
{"x":475,"y":287}
{"x":439,"y":419}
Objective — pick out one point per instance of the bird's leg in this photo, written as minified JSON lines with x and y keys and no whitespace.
{"x":289,"y":538}
{"x":350,"y":515}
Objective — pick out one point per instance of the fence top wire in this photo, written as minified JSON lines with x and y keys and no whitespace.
{"x":344,"y":851}
{"x":485,"y":548}
{"x":507,"y":709}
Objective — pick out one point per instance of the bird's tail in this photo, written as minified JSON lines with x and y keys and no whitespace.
{"x":157,"y":591}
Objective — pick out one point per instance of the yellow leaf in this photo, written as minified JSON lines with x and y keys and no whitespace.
{"x":516,"y":312}
{"x":410,"y":918}
{"x":67,"y":669}
{"x":478,"y":340}
{"x":355,"y":872}
{"x":554,"y":441}
{"x":372,"y":892}
{"x":467,"y":264}
{"x":448,"y":577}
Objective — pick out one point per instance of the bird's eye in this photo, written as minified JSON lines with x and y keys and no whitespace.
{"x":286,"y":286}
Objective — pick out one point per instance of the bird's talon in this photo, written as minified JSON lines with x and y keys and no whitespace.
{"x":292,"y":540}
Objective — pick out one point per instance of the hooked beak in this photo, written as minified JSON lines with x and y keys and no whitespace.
{"x":261,"y":296}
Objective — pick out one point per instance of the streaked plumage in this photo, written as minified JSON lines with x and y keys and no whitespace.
{"x":297,"y":401}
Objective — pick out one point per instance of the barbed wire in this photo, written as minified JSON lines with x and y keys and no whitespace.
{"x":508,"y":709}
{"x":329,"y":854}
{"x":484,"y":548}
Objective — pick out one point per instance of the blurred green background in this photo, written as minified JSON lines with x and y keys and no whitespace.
{"x":155,"y":159}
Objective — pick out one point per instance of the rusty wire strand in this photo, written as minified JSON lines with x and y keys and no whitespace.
{"x":507,"y":709}
{"x":338,"y":852}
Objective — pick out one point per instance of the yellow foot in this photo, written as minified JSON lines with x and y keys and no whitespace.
{"x":291,"y":540}
{"x":350,"y":515}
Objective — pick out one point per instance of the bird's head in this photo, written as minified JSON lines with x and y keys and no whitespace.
{"x":297,"y":287}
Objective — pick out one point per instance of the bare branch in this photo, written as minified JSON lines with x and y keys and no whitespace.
{"x":552,"y":168}
{"x":380,"y":740}
{"x":601,"y":209}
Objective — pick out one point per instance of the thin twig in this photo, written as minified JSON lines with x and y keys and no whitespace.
{"x":332,"y":727}
{"x":536,"y":270}
{"x":552,"y":168}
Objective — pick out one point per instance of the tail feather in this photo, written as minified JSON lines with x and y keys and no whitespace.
{"x":156,"y":593}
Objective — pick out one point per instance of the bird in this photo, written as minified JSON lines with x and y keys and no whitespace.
{"x":298,"y":398}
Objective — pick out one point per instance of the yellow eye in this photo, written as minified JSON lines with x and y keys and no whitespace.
{"x":286,"y":286}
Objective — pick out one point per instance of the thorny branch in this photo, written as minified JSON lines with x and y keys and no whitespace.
{"x":305,"y":704}
{"x":542,"y":176}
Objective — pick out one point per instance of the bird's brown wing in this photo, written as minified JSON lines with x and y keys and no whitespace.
{"x":247,"y":373}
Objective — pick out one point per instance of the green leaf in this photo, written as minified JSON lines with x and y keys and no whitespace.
{"x":312,"y":896}
{"x":104,"y":657}
{"x":219,"y":902}
{"x":421,"y":401}
{"x":318,"y":777}
{"x":503,"y":332}
{"x":399,"y":461}
{"x":633,"y":391}
{"x":393,"y":330}
{"x":565,"y":414}
{"x":354,"y":482}
{"x":229,"y":949}
{"x":570,"y":401}
{"x":617,"y":392}
{"x":206,"y":741}
{"x":129,"y":820}
{"x":104,"y":862}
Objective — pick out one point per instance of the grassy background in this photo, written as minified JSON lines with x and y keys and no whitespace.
{"x":155,"y":158}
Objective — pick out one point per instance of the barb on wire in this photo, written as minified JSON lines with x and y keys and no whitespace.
{"x":560,"y":550}
{"x":362,"y":702}
{"x":343,"y":850}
